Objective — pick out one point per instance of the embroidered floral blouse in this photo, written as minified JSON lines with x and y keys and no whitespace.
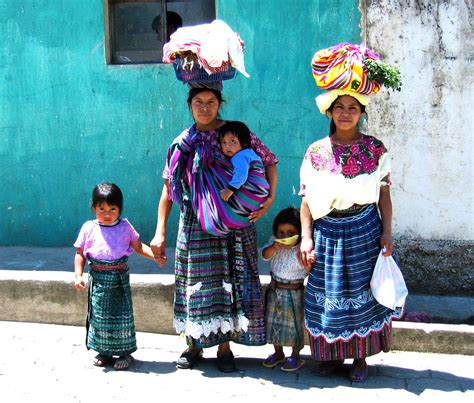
{"x":335,"y":176}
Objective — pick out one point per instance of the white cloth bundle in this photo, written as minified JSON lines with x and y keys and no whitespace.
{"x":213,"y":44}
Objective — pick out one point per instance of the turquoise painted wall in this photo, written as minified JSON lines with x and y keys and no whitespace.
{"x":69,"y":121}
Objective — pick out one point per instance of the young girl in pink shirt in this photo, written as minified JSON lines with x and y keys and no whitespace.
{"x":106,"y":243}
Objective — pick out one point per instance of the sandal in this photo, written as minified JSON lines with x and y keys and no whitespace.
{"x":188,"y":359}
{"x":124,"y":362}
{"x":226,"y":362}
{"x":102,"y":360}
{"x":292,"y":364}
{"x":359,"y":371}
{"x":326,"y":368}
{"x":273,"y":360}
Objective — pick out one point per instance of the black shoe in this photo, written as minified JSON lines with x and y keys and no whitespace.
{"x":226,"y":363}
{"x":188,"y":359}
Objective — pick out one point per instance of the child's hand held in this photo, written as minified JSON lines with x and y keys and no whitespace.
{"x":312,"y":257}
{"x":158,"y":248}
{"x":308,"y":256}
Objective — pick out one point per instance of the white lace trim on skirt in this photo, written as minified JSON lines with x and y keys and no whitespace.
{"x":199,"y":329}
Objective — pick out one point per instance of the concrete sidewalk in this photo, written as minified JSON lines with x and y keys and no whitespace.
{"x":36,"y":285}
{"x":56,"y":264}
{"x":50,"y":363}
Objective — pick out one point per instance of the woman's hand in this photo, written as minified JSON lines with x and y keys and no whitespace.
{"x":257,"y":214}
{"x":387,"y":243}
{"x":158,"y":243}
{"x":385,"y":207}
{"x":158,"y":247}
{"x":308,"y":256}
{"x":226,"y":193}
{"x":272,"y":177}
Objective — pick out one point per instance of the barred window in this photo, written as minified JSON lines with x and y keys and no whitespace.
{"x":136,"y":30}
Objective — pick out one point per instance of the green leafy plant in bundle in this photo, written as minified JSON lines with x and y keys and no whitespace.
{"x":384,"y":74}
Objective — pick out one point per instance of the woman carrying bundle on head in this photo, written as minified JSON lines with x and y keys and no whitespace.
{"x":218,"y":295}
{"x":346,"y":215}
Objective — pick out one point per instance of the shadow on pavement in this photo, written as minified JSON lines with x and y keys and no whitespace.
{"x":380,"y":377}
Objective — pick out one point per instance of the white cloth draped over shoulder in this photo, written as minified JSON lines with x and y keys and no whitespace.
{"x":337,"y":176}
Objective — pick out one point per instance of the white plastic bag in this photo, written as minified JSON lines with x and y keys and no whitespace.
{"x":387,"y":283}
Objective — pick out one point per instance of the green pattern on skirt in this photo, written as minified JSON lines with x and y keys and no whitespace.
{"x":110,"y":322}
{"x":209,"y":314}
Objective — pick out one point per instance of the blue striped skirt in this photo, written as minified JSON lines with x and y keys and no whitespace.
{"x":341,"y":315}
{"x":110,"y":323}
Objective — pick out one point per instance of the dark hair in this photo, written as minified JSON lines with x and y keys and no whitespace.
{"x":172,"y":20}
{"x":290,"y":215}
{"x":238,"y":129}
{"x":108,"y":193}
{"x":332,"y":125}
{"x":195,"y":91}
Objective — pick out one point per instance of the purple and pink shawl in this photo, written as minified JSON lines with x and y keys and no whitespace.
{"x":197,"y":164}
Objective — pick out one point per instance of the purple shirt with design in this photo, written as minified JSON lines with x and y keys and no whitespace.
{"x":104,"y":242}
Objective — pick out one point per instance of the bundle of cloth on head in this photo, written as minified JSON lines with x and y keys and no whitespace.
{"x":355,"y":70}
{"x":213,"y":48}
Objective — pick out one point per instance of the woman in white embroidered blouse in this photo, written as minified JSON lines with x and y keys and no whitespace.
{"x":346,"y":218}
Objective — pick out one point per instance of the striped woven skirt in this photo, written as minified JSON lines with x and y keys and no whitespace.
{"x":218,"y":295}
{"x":110,"y":324}
{"x":342,"y":317}
{"x":284,"y":317}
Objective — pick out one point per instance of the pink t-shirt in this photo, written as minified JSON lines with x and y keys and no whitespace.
{"x":105,"y":242}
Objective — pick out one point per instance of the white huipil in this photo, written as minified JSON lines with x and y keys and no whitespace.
{"x":336,"y":176}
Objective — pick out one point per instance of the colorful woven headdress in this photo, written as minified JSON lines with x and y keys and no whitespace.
{"x":354,"y":70}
